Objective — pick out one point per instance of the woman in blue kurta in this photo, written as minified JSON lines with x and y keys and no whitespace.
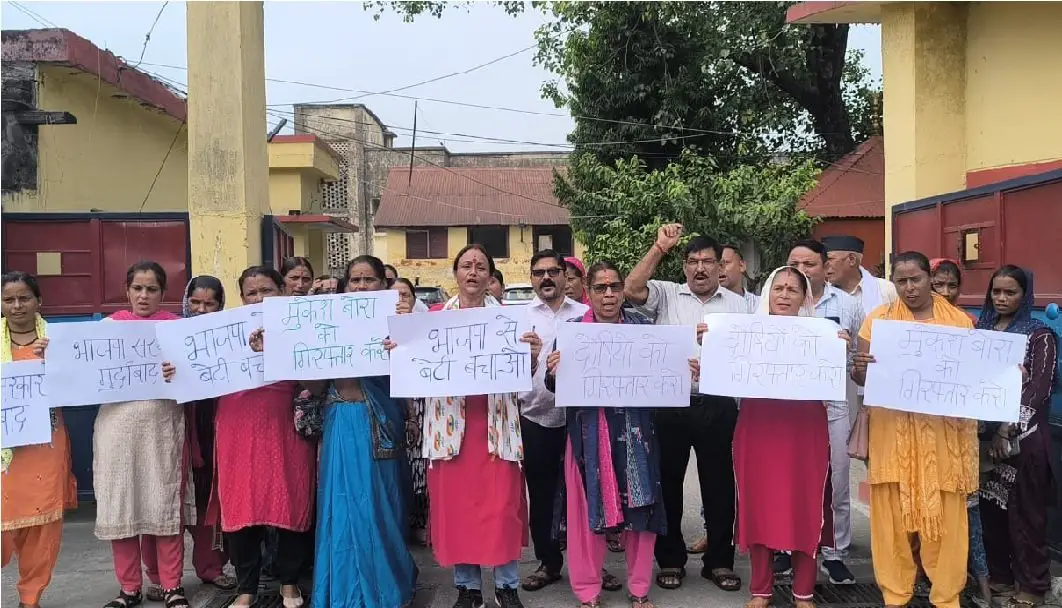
{"x":362,"y":560}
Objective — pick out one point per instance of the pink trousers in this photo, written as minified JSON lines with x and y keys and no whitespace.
{"x":586,"y":550}
{"x":209,"y":563}
{"x":805,"y":572}
{"x":165,"y":554}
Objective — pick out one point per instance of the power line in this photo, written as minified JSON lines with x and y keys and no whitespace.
{"x":147,"y":37}
{"x":35,"y":15}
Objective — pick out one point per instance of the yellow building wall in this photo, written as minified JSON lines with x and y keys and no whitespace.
{"x":1013,"y":83}
{"x":968,"y":86}
{"x":110,"y":158}
{"x":391,"y":248}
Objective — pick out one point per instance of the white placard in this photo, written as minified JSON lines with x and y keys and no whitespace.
{"x":212,"y":354}
{"x":453,"y":353}
{"x":26,"y":418}
{"x":327,"y":336}
{"x":618,"y":365}
{"x":945,"y":371}
{"x":97,"y":362}
{"x":773,"y":357}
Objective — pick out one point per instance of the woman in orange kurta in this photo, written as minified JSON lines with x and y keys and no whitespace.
{"x":921,"y":467}
{"x":37,"y":484}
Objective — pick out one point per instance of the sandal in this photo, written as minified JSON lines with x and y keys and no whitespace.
{"x":670,"y":578}
{"x":724,"y":578}
{"x":609,"y":582}
{"x":224,"y":582}
{"x":174,"y":598}
{"x":540,"y":578}
{"x":125,"y":600}
{"x":614,"y":544}
{"x":758,"y":602}
{"x":594,"y":603}
{"x":640,"y":602}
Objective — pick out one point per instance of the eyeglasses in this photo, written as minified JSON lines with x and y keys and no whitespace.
{"x":554,"y":272}
{"x":602,"y":288}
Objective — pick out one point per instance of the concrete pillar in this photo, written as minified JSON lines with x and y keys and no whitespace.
{"x":924,"y":73}
{"x":228,"y":165}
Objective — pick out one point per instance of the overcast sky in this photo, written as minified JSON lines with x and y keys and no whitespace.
{"x":338,"y":44}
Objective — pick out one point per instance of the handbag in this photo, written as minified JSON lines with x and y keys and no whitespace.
{"x":859,"y":436}
{"x":309,"y":415}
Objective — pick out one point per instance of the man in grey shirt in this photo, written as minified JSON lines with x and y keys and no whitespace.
{"x":707,"y":426}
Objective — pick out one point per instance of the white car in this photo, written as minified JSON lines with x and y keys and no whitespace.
{"x":518,"y":293}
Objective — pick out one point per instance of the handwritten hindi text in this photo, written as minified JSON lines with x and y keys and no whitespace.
{"x":328,"y":336}
{"x":211,"y":353}
{"x":460,"y":352}
{"x":96,"y":362}
{"x":946,"y":371}
{"x":612,"y":365}
{"x":25,"y":404}
{"x":773,"y":357}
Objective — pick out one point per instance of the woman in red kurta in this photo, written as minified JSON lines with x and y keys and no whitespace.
{"x":265,"y":471}
{"x":782,"y":468}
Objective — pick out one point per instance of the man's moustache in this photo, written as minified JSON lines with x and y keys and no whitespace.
{"x":548,"y":283}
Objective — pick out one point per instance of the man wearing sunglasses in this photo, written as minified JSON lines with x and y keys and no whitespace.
{"x":541,"y":423}
{"x":707,"y":426}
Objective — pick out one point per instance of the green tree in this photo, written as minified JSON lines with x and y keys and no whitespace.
{"x":621,"y":206}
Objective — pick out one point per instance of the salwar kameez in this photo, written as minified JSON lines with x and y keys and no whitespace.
{"x":921,"y":470}
{"x":361,"y":559}
{"x":1014,"y":500}
{"x":478,"y":503}
{"x":782,"y":465}
{"x":37,"y":487}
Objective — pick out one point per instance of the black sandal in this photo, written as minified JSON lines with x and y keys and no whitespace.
{"x":723,"y":578}
{"x":665,"y":577}
{"x":540,"y":578}
{"x":174,"y":598}
{"x":609,"y":582}
{"x":125,"y":600}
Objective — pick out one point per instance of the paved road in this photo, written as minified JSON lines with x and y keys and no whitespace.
{"x":84,"y":577}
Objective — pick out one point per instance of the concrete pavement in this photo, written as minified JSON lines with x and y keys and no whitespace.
{"x":84,"y":577}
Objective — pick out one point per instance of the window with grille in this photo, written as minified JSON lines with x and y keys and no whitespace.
{"x":495,"y":239}
{"x":426,"y":244}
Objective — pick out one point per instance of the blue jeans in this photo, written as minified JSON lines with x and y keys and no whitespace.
{"x":978,"y":561}
{"x":470,"y":576}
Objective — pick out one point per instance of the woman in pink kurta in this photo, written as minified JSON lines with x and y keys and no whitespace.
{"x":265,"y":471}
{"x":476,"y":488}
{"x":782,"y":468}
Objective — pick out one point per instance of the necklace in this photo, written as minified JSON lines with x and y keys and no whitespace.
{"x":17,"y":343}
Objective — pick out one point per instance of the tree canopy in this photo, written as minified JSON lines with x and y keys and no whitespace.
{"x":700,"y":112}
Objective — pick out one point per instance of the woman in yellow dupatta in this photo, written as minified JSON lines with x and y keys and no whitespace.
{"x":37,"y":484}
{"x":921,"y":467}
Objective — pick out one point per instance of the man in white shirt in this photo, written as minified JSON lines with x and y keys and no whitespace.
{"x":809,"y":257}
{"x":542,"y":424}
{"x":732,"y":275}
{"x":844,"y":270}
{"x":707,"y":426}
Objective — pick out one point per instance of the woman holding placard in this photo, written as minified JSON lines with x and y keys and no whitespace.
{"x":921,"y":467}
{"x":605,"y":446}
{"x":361,"y":554}
{"x":1015,"y":498}
{"x":140,"y":468}
{"x":38,"y":484}
{"x":476,"y":487}
{"x":265,"y":470}
{"x":782,"y":465}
